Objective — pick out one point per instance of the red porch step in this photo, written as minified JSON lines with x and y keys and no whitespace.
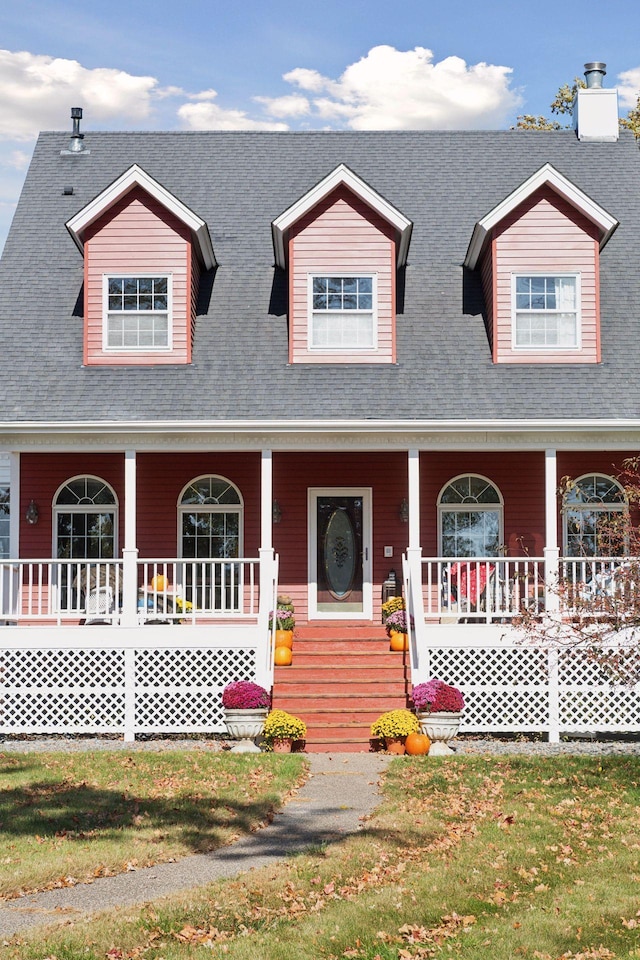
{"x":343,"y":676}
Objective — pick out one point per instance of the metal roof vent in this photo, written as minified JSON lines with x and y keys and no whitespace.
{"x":595,"y":108}
{"x":595,"y":73}
{"x":76,"y":146}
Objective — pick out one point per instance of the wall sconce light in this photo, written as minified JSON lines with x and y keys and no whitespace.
{"x":404,"y":510}
{"x":276,"y":512}
{"x":32,"y":516}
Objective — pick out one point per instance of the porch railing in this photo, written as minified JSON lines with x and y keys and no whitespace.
{"x":67,"y":591}
{"x":596,"y":584}
{"x":482,"y":589}
{"x":195,"y":589}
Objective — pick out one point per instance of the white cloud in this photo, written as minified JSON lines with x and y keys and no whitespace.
{"x":18,"y":160}
{"x":292,"y":105}
{"x":207,"y":115}
{"x":629,"y":88}
{"x":37,"y":91}
{"x":391,"y":89}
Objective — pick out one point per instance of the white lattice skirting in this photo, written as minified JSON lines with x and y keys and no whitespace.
{"x":513,"y":687}
{"x":130,"y":690}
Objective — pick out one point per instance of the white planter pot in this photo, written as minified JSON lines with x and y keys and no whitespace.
{"x":245,"y":726}
{"x":440,"y":728}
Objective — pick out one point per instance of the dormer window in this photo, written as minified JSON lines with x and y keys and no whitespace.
{"x":144,"y":253}
{"x":342,"y":313}
{"x":538,"y":254}
{"x":546,"y":314}
{"x":138,"y":313}
{"x":342,"y":245}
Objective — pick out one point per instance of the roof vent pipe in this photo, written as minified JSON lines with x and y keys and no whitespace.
{"x":595,"y":74}
{"x":75,"y":142}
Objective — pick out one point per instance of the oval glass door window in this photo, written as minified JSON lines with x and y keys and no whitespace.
{"x":339,"y":554}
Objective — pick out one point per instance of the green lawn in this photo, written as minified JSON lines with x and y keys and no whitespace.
{"x":467,"y":857}
{"x":73,"y":817}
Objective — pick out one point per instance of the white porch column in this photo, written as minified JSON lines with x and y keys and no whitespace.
{"x":268,"y":571}
{"x":414,"y":499}
{"x":14,"y":505}
{"x":551,"y":549}
{"x":415,"y":602}
{"x":129,"y":616}
{"x":552,"y":572}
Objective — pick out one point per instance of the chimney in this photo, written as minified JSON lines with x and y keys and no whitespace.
{"x":76,"y":146}
{"x":595,"y":109}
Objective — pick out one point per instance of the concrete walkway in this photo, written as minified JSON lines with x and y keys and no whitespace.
{"x":341,"y":790}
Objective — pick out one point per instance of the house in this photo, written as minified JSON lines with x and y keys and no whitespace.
{"x":241,"y":364}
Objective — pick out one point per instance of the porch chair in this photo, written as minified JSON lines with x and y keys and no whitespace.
{"x":100,"y":605}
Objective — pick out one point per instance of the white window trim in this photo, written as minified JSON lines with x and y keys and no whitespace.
{"x":374,"y":311}
{"x":183,"y":508}
{"x":470,"y":507}
{"x":57,"y":508}
{"x":541,"y":348}
{"x":610,"y":506}
{"x":105,"y":311}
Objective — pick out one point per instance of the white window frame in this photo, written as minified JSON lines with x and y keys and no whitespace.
{"x":85,"y":508}
{"x":601,"y":507}
{"x":470,"y":506}
{"x":541,"y":347}
{"x":186,"y":508}
{"x":373,"y":313}
{"x":159,"y":275}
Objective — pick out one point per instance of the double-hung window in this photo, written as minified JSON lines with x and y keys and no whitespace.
{"x":546,"y":314}
{"x":343,"y":312}
{"x":138,"y":313}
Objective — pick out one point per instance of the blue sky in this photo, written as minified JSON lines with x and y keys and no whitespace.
{"x":291,"y":64}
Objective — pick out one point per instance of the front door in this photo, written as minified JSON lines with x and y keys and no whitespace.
{"x":340,"y":553}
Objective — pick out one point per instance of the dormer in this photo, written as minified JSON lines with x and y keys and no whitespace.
{"x":342,"y":245}
{"x":538,"y":252}
{"x":144,"y":251}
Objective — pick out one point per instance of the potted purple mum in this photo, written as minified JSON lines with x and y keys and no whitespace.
{"x":246,"y":705}
{"x":439,"y":708}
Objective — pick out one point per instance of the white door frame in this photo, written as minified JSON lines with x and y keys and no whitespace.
{"x":365,"y":493}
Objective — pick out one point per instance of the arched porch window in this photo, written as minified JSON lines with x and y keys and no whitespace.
{"x":470,"y":516}
{"x":85,"y":520}
{"x":210,"y":517}
{"x":591,"y":505}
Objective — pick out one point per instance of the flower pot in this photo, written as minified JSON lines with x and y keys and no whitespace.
{"x":398,"y":641}
{"x":440,"y":728}
{"x":284,"y":638}
{"x":245,"y":726}
{"x":282,"y":745}
{"x":395,"y":745}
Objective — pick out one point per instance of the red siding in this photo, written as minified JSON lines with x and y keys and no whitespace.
{"x":545,"y":233}
{"x":294,"y":473}
{"x":161,"y":479}
{"x":138,"y":235}
{"x":342,"y":234}
{"x":518,"y":476}
{"x":40,"y":477}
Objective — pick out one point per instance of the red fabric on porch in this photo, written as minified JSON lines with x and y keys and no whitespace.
{"x":470,"y":579}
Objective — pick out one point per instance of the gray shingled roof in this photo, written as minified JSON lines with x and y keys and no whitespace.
{"x":239,"y":182}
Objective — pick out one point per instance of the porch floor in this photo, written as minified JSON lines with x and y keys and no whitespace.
{"x":343,"y":676}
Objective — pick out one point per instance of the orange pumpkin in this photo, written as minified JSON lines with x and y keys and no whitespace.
{"x":159,"y":583}
{"x":417,"y":744}
{"x":398,"y":641}
{"x":282,"y":656}
{"x":284,"y":638}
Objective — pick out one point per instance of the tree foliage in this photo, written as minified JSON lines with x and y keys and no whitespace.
{"x":598,"y":598}
{"x":563,"y":104}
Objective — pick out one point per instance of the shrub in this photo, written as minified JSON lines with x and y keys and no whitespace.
{"x":245,"y":695}
{"x":436,"y":696}
{"x":395,"y":723}
{"x":281,"y":725}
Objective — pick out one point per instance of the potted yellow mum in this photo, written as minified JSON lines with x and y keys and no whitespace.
{"x":394,"y":727}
